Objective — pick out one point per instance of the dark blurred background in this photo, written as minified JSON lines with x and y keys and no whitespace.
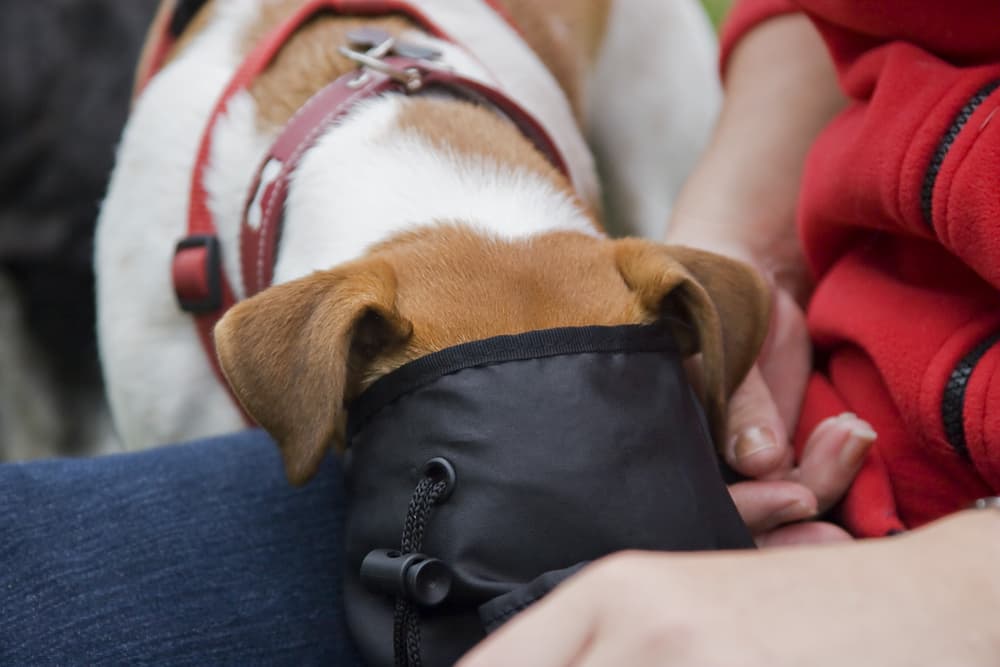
{"x":66,"y":70}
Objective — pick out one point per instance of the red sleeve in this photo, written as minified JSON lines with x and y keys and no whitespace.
{"x":912,"y":166}
{"x":962,"y":203}
{"x":869,"y":509}
{"x":744,"y":17}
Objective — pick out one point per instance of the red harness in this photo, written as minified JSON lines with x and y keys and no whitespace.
{"x":200,"y":283}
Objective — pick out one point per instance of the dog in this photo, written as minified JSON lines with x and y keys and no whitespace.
{"x":414,"y":222}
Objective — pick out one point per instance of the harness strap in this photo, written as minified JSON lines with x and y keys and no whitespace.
{"x":173,"y":17}
{"x":264,"y":211}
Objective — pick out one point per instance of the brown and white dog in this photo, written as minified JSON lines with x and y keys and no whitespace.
{"x":415,"y":222}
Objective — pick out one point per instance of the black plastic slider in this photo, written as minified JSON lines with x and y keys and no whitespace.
{"x":421,"y":579}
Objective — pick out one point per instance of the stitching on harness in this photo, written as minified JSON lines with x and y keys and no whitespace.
{"x":290,"y":165}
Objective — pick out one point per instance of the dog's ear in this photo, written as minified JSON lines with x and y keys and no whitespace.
{"x":723,"y":307}
{"x":294,"y":352}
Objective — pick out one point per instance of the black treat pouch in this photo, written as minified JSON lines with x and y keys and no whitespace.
{"x":481,"y":476}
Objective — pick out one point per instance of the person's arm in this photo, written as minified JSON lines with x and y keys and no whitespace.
{"x":931,"y":597}
{"x":780,"y":91}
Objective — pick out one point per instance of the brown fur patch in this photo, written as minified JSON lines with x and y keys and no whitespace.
{"x":456,"y":286}
{"x":565,"y":34}
{"x":309,"y":60}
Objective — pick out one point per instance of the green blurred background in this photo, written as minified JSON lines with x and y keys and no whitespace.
{"x":717,"y":9}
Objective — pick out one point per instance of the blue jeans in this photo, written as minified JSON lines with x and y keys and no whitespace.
{"x":193,"y":554}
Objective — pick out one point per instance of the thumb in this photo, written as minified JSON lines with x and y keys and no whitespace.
{"x":757,"y":441}
{"x":786,"y":357}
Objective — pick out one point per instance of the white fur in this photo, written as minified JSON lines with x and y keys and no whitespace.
{"x":652,"y":103}
{"x":160,"y":386}
{"x":369,"y":180}
{"x":363,"y":181}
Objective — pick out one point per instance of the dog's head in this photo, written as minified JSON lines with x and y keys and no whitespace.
{"x":298,"y":352}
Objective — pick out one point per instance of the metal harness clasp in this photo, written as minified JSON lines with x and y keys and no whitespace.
{"x":380,"y":44}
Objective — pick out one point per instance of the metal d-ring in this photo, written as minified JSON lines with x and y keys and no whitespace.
{"x":371,"y":59}
{"x":379,"y":50}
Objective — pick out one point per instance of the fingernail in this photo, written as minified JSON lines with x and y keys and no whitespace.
{"x":796,"y":511}
{"x":859,"y":441}
{"x":753,"y":441}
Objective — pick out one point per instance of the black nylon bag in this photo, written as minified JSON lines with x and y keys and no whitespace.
{"x":547,"y":450}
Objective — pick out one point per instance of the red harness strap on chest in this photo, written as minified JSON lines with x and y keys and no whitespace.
{"x":263,"y":215}
{"x":200,"y":283}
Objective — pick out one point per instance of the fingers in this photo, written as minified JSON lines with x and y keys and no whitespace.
{"x":834,"y":453}
{"x":813,"y":532}
{"x":832,"y":457}
{"x":758,"y":441}
{"x":767,"y":403}
{"x":786,"y":358}
{"x":543,"y":635}
{"x":766,"y":505}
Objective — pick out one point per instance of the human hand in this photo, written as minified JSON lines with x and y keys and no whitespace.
{"x":782,"y":493}
{"x":740,"y":201}
{"x":926,"y":598}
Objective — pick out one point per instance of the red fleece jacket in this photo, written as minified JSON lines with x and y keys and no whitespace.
{"x":899,"y":216}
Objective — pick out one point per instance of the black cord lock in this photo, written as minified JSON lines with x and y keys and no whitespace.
{"x":416,"y":577}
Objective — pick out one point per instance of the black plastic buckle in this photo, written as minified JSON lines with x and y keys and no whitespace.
{"x":416,"y":577}
{"x":206,"y":295}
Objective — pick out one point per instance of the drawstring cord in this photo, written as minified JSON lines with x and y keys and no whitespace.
{"x":405,"y":620}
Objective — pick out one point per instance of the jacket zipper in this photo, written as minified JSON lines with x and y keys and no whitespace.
{"x":930,"y":176}
{"x":953,"y":399}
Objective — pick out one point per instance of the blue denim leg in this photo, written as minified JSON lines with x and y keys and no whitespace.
{"x":193,"y":554}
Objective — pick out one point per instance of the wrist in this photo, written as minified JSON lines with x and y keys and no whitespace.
{"x":742,"y":197}
{"x":778,"y":258}
{"x":962,"y":575}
